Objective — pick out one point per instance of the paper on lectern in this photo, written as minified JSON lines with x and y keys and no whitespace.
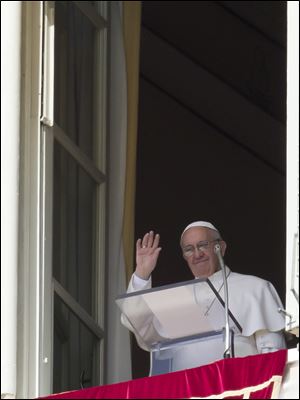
{"x":181,"y":311}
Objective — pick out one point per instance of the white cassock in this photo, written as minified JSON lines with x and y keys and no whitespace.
{"x":254,"y":303}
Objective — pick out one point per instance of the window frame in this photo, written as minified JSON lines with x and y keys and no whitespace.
{"x":36,"y":284}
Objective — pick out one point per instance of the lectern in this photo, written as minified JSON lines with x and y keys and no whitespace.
{"x":182,"y":325}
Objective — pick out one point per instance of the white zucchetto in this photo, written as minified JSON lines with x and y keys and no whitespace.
{"x":201,"y":224}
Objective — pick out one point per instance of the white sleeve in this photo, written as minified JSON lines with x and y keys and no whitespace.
{"x":267,"y":341}
{"x":139,"y":283}
{"x":136,"y":283}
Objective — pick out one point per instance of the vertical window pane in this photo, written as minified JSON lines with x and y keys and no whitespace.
{"x":74,"y":229}
{"x":76,"y":206}
{"x":76,"y":352}
{"x":74,"y":74}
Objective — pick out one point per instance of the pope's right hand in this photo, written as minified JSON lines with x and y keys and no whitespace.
{"x":147,"y":252}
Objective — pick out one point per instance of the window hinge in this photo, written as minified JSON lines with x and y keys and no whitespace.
{"x":46,"y":121}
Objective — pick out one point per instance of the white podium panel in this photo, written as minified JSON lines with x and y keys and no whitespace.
{"x":180,"y":324}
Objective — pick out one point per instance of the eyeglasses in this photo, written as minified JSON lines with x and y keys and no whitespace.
{"x":201,"y":246}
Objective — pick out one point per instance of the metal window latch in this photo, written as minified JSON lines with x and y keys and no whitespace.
{"x":46,"y":121}
{"x":83,"y":380}
{"x":283,"y":311}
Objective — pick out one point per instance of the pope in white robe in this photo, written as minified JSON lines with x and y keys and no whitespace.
{"x":253,"y":301}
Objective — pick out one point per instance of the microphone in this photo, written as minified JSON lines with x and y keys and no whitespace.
{"x":228,"y":349}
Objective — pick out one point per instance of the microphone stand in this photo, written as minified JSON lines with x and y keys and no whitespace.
{"x":228,"y":349}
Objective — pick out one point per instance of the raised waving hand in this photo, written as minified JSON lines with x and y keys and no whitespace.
{"x":147,"y":252}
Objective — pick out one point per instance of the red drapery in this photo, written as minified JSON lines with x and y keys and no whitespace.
{"x":259,"y":375}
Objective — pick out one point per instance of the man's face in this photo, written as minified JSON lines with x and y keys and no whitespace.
{"x":199,"y":254}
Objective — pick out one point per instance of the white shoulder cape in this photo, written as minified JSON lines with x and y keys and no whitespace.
{"x":253,"y":301}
